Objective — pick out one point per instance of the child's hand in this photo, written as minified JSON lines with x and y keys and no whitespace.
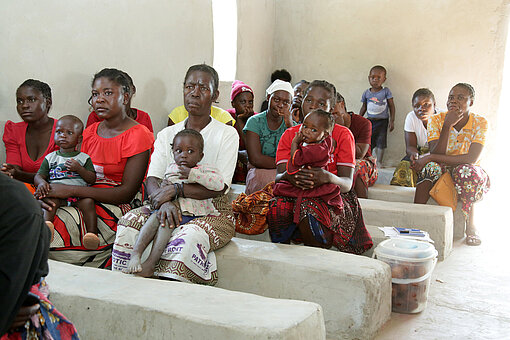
{"x":184,"y":172}
{"x":42,"y":190}
{"x":298,"y":138}
{"x":72,"y":165}
{"x":391,"y":125}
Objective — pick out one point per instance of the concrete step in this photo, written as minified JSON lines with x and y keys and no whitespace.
{"x":111,"y":305}
{"x":354,"y":291}
{"x":435,"y":219}
{"x":394,"y":193}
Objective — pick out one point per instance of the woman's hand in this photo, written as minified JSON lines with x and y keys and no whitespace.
{"x":419,"y":163}
{"x":453,"y":117}
{"x":313,"y":177}
{"x":47,"y":204}
{"x":162,"y":195}
{"x":61,"y":191}
{"x":9,"y":170}
{"x":169,"y":215}
{"x":24,"y":314}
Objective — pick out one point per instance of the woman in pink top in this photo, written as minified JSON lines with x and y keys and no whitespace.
{"x":27,"y":142}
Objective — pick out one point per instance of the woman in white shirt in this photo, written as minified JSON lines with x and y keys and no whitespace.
{"x":415,"y":130}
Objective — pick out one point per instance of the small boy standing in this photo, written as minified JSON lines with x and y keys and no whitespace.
{"x":378,"y":104}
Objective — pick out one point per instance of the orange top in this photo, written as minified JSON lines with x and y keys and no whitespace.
{"x":110,"y":155}
{"x":459,"y":142}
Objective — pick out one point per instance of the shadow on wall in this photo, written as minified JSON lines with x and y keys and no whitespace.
{"x":158,"y":92}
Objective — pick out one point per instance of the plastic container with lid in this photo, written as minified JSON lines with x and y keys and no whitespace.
{"x":412,"y":263}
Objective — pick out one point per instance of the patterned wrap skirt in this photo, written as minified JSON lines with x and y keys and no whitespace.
{"x":346,"y":228}
{"x":70,"y":228}
{"x":471,"y":181}
{"x":47,"y":323}
{"x":366,"y":169}
{"x":189,"y":254}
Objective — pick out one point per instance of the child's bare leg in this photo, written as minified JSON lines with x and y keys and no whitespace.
{"x":146,"y":235}
{"x":422,"y":194}
{"x":163,"y":235}
{"x":50,"y":215}
{"x":88,"y":209}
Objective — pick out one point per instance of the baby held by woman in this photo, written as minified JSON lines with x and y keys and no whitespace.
{"x":311,"y":147}
{"x":187,"y":148}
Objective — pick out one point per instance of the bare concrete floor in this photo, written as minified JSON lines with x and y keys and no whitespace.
{"x":469,"y":296}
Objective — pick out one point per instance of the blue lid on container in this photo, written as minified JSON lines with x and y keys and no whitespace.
{"x":405,"y":250}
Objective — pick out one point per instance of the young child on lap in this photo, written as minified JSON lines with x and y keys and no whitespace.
{"x":311,"y":147}
{"x":380,"y":108}
{"x":70,"y":167}
{"x":187,"y":148}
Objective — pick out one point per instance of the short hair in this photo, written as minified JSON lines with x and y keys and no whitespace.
{"x":330,"y":120}
{"x":340,"y":99}
{"x":39,"y":86}
{"x":302,"y":81}
{"x":378,"y":67}
{"x":325,"y":85}
{"x":423,"y":92}
{"x":77,"y":121}
{"x":282,"y":74}
{"x":115,"y":75}
{"x":192,"y":133}
{"x":207,"y":69}
{"x":468,"y":87}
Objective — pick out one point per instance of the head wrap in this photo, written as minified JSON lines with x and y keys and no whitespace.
{"x":280,"y":85}
{"x":239,"y":87}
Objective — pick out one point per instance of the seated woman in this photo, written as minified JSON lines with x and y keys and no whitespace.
{"x":297,"y":100}
{"x":456,"y":140}
{"x":263,"y":132}
{"x":320,"y":225}
{"x":365,"y":173}
{"x":415,"y":130}
{"x":119,"y":148}
{"x":189,"y":255}
{"x":138,"y":115}
{"x":28,"y":142}
{"x":241,"y":99}
{"x":180,"y":113}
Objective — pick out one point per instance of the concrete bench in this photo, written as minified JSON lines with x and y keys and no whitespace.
{"x":394,"y":193}
{"x":110,"y":305}
{"x":436,"y":220}
{"x":354,"y":291}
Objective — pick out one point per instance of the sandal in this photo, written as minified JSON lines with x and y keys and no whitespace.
{"x":473,"y":240}
{"x":90,"y":241}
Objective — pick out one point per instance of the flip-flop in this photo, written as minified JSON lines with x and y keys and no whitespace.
{"x":90,"y":241}
{"x":473,"y":240}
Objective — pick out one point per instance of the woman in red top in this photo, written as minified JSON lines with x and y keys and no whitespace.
{"x":319,"y":225}
{"x":27,"y":142}
{"x":119,"y":148}
{"x":138,"y":115}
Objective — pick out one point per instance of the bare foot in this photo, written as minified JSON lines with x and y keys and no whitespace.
{"x":90,"y":241}
{"x":147,"y":270}
{"x":134,"y":265}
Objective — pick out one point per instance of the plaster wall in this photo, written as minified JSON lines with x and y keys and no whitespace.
{"x":433,"y":44}
{"x":255,"y":54}
{"x":65,"y":43}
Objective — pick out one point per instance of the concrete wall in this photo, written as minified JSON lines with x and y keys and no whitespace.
{"x":433,"y":44}
{"x":65,"y":43}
